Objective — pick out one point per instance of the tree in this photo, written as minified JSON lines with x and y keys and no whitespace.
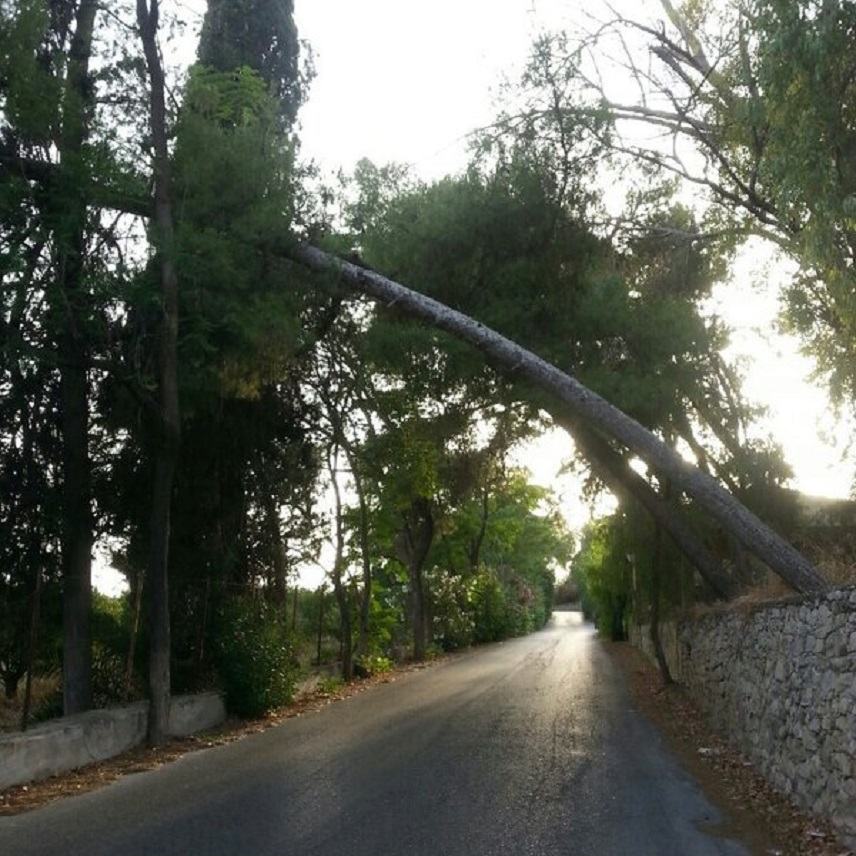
{"x":168,"y":416}
{"x":757,"y":97}
{"x":261,"y":35}
{"x":770,"y":547}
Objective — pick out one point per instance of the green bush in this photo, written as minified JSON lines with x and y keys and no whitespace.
{"x":374,"y":664}
{"x":108,"y":677}
{"x":254,"y":657}
{"x":452,"y":610}
{"x":490,"y":609}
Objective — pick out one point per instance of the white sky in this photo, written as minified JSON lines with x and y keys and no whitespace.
{"x":407,"y":81}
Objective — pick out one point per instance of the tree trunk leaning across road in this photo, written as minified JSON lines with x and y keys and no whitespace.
{"x":754,"y":534}
{"x":624,"y":482}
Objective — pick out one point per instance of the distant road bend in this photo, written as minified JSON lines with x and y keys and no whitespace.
{"x":527,"y":747}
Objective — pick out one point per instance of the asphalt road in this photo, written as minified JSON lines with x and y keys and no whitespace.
{"x":527,"y":747}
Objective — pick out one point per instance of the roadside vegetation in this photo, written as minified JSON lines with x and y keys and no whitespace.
{"x":176,"y":387}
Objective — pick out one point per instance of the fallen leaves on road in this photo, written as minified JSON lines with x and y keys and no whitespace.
{"x":757,"y":814}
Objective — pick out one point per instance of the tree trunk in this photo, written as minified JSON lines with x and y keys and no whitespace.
{"x":10,"y":684}
{"x":771,"y":548}
{"x":476,"y":546}
{"x":365,"y":555}
{"x":31,"y":648}
{"x":320,"y":623}
{"x":420,"y":642}
{"x":278,"y":591}
{"x":169,"y":427}
{"x":139,"y":579}
{"x":203,"y":624}
{"x":340,"y":591}
{"x":411,"y":547}
{"x":345,"y":630}
{"x":654,"y":627}
{"x":76,"y":529}
{"x":615,"y":471}
{"x":294,"y":610}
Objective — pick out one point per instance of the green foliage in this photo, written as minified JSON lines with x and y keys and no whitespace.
{"x":603,"y":575}
{"x":330,"y":685}
{"x":254,"y":656}
{"x":452,"y":610}
{"x":31,"y":93}
{"x":108,"y":676}
{"x":374,"y":664}
{"x":259,"y":34}
{"x":491,"y":617}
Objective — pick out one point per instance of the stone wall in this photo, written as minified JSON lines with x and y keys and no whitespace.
{"x":779,"y":680}
{"x":74,"y":741}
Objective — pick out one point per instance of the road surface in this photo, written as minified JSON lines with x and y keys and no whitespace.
{"x":526,"y":747}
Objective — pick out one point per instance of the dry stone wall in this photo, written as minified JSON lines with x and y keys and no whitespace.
{"x":779,"y":680}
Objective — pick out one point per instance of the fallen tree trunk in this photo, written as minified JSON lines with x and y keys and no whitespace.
{"x":624,"y":482}
{"x":782,"y":558}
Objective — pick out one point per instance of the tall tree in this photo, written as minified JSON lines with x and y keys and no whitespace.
{"x":168,"y":416}
{"x":261,"y":35}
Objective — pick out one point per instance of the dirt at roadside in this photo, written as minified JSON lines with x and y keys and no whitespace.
{"x":21,"y":798}
{"x":755,"y":813}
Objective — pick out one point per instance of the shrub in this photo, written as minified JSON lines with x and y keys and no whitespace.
{"x":490,"y":609}
{"x":330,"y":685}
{"x":108,"y":677}
{"x":254,"y":657}
{"x":374,"y":664}
{"x":452,"y":611}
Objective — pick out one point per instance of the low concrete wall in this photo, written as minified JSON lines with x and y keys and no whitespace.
{"x":779,"y":680}
{"x":74,"y":741}
{"x":191,"y":713}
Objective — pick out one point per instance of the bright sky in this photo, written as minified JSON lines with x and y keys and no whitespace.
{"x":407,"y":81}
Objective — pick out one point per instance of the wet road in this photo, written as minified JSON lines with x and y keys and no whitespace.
{"x":527,"y":747}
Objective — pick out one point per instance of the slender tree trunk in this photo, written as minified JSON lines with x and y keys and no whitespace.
{"x":476,"y":546}
{"x":140,"y":577}
{"x":76,"y":529}
{"x":294,"y":610}
{"x":346,"y":649}
{"x":420,"y":642}
{"x":169,"y":428}
{"x":365,"y":555}
{"x":770,"y":547}
{"x":31,"y":648}
{"x":339,"y":589}
{"x":278,"y":560}
{"x":654,"y":627}
{"x":412,"y":546}
{"x":320,"y":623}
{"x":203,"y":624}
